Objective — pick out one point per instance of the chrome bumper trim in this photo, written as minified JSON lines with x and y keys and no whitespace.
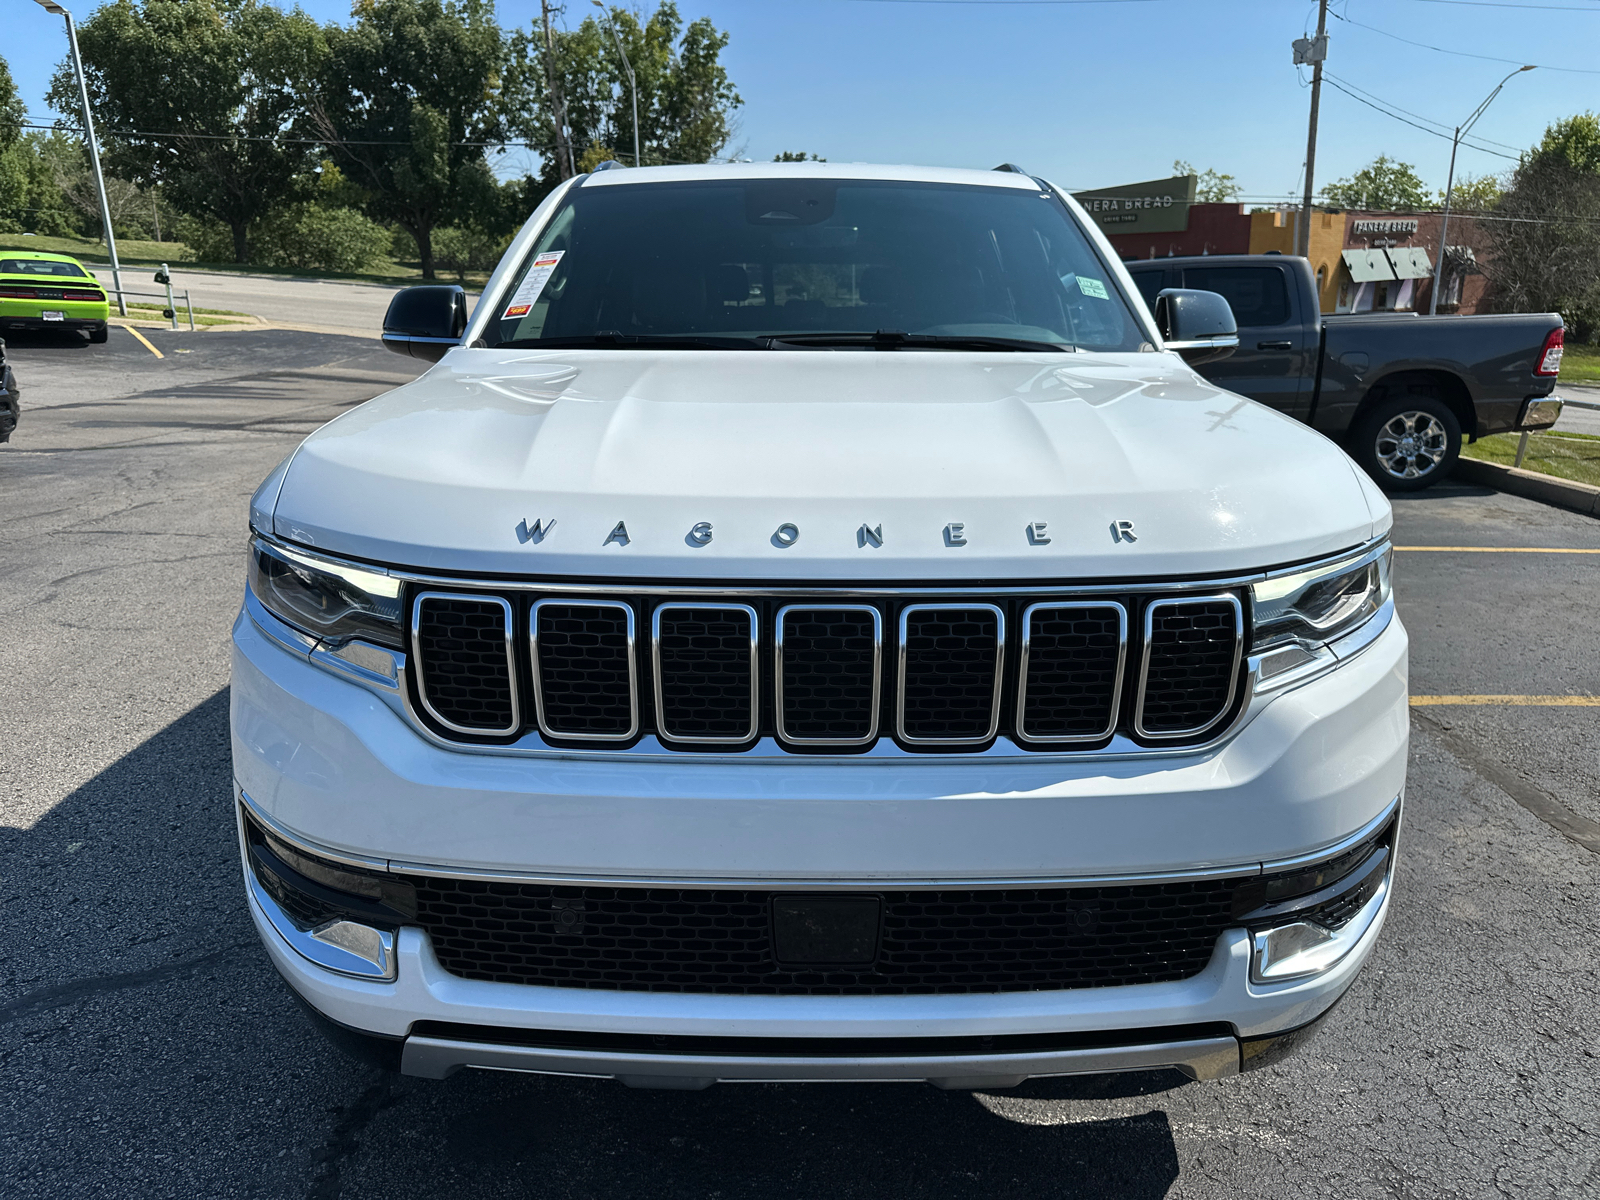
{"x":1539,"y":413}
{"x":437,"y":1058}
{"x":342,"y":946}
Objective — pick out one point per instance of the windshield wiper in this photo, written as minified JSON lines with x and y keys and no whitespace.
{"x":898,"y":339}
{"x":611,"y":339}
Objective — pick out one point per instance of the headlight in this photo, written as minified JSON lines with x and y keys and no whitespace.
{"x":328,"y":600}
{"x":1319,"y":605}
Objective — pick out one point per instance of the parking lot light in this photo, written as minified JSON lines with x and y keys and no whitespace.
{"x":50,"y":6}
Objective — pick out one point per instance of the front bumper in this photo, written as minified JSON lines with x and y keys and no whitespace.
{"x":332,"y":763}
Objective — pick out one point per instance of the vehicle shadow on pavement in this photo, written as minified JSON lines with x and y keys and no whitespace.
{"x":151,"y":1049}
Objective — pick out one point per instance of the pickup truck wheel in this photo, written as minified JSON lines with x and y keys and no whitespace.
{"x":1408,"y":442}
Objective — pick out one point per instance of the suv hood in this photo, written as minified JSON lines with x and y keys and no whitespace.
{"x":616,"y":456}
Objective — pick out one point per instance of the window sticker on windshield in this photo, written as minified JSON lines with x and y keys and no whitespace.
{"x":533,"y":283}
{"x":1093,"y":287}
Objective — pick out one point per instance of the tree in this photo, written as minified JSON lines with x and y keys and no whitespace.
{"x":797,"y":156}
{"x":686,"y":101}
{"x":1384,"y":185}
{"x":1546,"y":246}
{"x":408,"y":104}
{"x":1210,"y":187}
{"x":13,"y":161}
{"x":1475,"y":193}
{"x":201,"y":97}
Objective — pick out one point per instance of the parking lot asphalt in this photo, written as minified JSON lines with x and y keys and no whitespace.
{"x":150,"y":1050}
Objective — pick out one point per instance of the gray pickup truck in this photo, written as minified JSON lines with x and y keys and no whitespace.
{"x":1398,"y":390}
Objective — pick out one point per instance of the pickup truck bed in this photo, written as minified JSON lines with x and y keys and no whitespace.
{"x":1399,"y":390}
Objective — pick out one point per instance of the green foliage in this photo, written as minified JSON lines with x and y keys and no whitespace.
{"x":314,"y":237}
{"x":462,"y":250}
{"x":797,"y":156}
{"x":1210,"y":186}
{"x":1475,"y":193}
{"x":229,"y":74}
{"x":686,"y":101}
{"x":408,"y":99}
{"x":1547,"y":256}
{"x":1384,"y":185}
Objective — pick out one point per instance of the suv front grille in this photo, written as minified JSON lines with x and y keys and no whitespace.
{"x":942,"y":941}
{"x":817,"y":675}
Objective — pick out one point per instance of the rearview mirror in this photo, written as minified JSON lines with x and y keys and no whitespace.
{"x":1198,"y":325}
{"x":424,"y":322}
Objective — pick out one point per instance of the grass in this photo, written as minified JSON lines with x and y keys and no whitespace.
{"x":1580,"y":364}
{"x":133,"y":253}
{"x":1574,"y":456}
{"x":202,"y":316}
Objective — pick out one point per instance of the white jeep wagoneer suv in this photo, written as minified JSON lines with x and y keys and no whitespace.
{"x":812,"y":623}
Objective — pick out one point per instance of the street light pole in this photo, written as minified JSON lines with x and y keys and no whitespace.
{"x":50,"y":6}
{"x":633,"y":84}
{"x":1450,"y":184}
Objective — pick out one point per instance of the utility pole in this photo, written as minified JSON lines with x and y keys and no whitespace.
{"x":50,"y":6}
{"x":1313,"y":51}
{"x":1450,"y":185}
{"x":558,"y":109}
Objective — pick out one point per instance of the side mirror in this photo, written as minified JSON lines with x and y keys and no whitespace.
{"x":424,"y":322}
{"x":1198,"y":325}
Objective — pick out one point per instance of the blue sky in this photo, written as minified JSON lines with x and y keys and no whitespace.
{"x":1101,"y":92}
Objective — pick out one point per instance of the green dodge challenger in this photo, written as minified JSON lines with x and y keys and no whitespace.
{"x":50,"y":291}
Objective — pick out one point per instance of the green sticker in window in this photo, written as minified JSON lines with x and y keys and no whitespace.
{"x":1093,"y":287}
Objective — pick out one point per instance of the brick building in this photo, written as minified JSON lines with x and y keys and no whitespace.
{"x":1365,"y":261}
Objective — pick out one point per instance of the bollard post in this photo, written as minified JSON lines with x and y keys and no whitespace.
{"x":189,"y":304}
{"x":172,"y":306}
{"x":1522,"y":448}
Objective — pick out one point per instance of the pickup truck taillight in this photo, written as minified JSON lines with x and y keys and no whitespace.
{"x":1550,"y":355}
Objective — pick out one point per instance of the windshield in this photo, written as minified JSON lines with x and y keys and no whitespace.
{"x":746,"y":264}
{"x":39,"y":266}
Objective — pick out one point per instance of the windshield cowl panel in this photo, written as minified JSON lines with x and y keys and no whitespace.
{"x":814,"y":263}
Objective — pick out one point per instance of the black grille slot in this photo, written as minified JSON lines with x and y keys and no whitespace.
{"x":949,"y":672}
{"x":1192,"y":649}
{"x":1074,"y":656}
{"x":828,"y":664}
{"x":705,"y":672}
{"x":686,"y":940}
{"x":464,"y":662}
{"x":584,"y":654}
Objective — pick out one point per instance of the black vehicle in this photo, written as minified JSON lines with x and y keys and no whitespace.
{"x":10,"y":406}
{"x":1400,"y":391}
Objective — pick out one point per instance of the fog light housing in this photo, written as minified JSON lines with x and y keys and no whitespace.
{"x":1301,"y":949}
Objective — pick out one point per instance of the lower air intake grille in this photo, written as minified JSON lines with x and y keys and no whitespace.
{"x":585,"y":662}
{"x":705,"y":672}
{"x":1074,"y":671}
{"x":1193,"y":648}
{"x":463,"y":648}
{"x":828,"y":673}
{"x":950,"y":665}
{"x":684,"y":940}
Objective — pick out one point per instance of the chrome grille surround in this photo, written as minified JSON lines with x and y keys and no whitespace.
{"x":487,"y":600}
{"x":1257,"y":688}
{"x":1119,"y":670}
{"x":556,"y":602}
{"x":754,"y":727}
{"x":900,"y":721}
{"x":780,"y":710}
{"x":1152,"y":611}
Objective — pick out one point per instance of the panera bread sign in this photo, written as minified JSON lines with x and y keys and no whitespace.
{"x":1359,"y":227}
{"x":1160,"y":206}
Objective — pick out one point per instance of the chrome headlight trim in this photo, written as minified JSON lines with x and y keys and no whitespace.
{"x":330,"y":600}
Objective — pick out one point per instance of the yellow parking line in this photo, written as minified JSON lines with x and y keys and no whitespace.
{"x":145,"y":340}
{"x":1510,"y":701}
{"x":1498,"y":549}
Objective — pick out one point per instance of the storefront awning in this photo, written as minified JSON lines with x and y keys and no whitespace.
{"x":1367,"y":265}
{"x":1410,"y":262}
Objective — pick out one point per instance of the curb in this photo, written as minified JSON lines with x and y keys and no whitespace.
{"x":1579,"y":497}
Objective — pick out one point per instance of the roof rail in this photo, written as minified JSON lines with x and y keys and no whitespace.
{"x":608,"y":165}
{"x":1011,"y":167}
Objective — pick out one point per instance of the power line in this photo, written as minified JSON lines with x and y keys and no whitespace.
{"x":1463,"y":53}
{"x":1416,"y":125}
{"x":1426,"y":120}
{"x":1588,"y":8}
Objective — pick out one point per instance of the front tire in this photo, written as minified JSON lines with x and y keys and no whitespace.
{"x":1408,"y":441}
